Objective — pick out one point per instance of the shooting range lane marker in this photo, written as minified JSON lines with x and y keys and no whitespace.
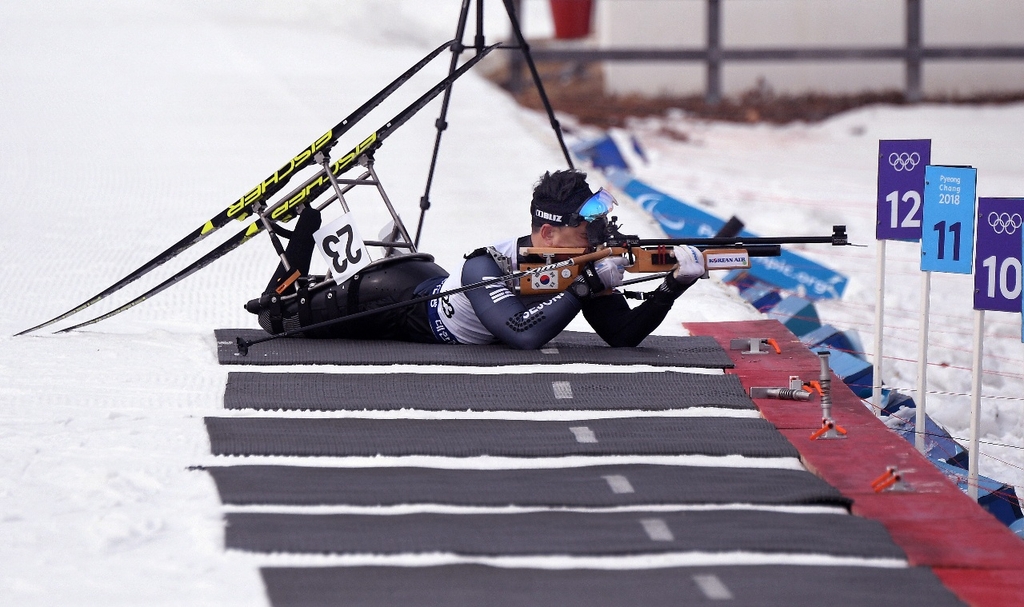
{"x":712,"y":587}
{"x":618,"y":483}
{"x":562,"y":390}
{"x":657,"y":529}
{"x":583,"y":434}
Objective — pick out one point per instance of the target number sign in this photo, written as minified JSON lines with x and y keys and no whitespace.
{"x":947,"y":224}
{"x":901,"y":165}
{"x":997,"y":260}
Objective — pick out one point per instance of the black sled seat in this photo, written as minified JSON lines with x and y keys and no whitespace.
{"x":569,"y":347}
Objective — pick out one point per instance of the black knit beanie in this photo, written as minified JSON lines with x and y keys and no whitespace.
{"x":557,"y":195}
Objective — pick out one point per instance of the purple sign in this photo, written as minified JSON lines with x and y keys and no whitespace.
{"x":997,"y":263}
{"x":901,"y":188}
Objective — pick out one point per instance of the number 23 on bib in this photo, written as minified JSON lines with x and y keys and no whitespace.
{"x":342,"y":248}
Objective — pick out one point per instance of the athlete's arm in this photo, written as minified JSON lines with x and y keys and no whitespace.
{"x":622,"y":326}
{"x":507,"y":317}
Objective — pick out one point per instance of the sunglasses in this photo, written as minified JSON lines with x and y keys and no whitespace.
{"x":598,"y":205}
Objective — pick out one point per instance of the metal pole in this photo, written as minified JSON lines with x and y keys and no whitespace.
{"x":974,"y":453}
{"x":922,"y":363}
{"x":876,"y":381}
{"x":713,"y":92}
{"x":913,"y":50}
{"x":515,"y":61}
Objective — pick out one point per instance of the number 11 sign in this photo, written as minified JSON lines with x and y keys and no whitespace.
{"x":947,"y":237}
{"x":901,"y":188}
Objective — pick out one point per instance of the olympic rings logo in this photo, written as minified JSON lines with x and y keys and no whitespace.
{"x":1004,"y":223}
{"x":904,"y":161}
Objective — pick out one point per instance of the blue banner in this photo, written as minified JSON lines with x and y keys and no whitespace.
{"x":679,"y":220}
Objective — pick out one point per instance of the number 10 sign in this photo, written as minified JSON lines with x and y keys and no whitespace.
{"x":997,"y":279}
{"x":947,"y":233}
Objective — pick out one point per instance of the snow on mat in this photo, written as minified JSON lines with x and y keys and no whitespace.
{"x":594,"y":486}
{"x":474,"y":585}
{"x":512,"y":438}
{"x":448,"y":392}
{"x":563,"y":533}
{"x":568,"y":347}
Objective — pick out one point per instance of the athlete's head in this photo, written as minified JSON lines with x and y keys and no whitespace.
{"x":563,"y":206}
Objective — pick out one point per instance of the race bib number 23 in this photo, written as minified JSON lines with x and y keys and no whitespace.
{"x":342,"y":248}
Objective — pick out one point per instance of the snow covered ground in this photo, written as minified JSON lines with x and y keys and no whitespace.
{"x":126,"y":124}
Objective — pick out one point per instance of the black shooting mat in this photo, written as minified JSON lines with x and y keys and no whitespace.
{"x":561,"y":533}
{"x":648,"y":391}
{"x":475,"y":585}
{"x":586,"y":486}
{"x":510,"y":438}
{"x":567,"y":347}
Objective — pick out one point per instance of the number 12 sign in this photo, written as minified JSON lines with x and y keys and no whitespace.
{"x":901,"y":166}
{"x":997,"y":281}
{"x":947,"y":234}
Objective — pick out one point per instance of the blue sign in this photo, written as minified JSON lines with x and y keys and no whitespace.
{"x":679,"y":220}
{"x":947,"y":231}
{"x":997,"y":278}
{"x":901,"y":166}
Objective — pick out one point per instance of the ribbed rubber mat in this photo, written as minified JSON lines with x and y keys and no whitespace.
{"x":519,"y":392}
{"x":559,"y":532}
{"x":568,"y":347}
{"x":514,"y":438}
{"x":476,"y":585}
{"x":594,"y":486}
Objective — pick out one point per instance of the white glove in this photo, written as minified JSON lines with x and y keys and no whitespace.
{"x":610,"y":270}
{"x":691,"y":264}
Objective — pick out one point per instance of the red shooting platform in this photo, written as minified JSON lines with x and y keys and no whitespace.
{"x":935,"y":523}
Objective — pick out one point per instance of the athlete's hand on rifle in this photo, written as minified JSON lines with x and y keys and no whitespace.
{"x":598,"y":277}
{"x":610,"y":271}
{"x":691,"y":264}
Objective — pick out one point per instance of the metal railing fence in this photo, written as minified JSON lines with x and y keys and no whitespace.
{"x":913,"y":53}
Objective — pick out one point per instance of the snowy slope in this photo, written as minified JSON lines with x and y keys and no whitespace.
{"x":126,"y":124}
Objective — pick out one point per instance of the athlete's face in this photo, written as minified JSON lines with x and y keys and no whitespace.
{"x":570,"y":237}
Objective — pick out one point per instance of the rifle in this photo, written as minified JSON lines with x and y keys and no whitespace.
{"x":655,"y":254}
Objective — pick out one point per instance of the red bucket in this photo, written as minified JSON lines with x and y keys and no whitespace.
{"x":572,"y":18}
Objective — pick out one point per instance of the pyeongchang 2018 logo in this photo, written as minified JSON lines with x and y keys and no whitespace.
{"x":904,"y":161}
{"x":1005,"y":223}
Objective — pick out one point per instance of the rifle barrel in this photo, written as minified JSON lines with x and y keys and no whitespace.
{"x":838,"y":238}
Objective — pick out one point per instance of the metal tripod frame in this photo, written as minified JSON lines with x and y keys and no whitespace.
{"x":478,"y":43}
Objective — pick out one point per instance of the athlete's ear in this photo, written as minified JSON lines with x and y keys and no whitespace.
{"x":547,"y":235}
